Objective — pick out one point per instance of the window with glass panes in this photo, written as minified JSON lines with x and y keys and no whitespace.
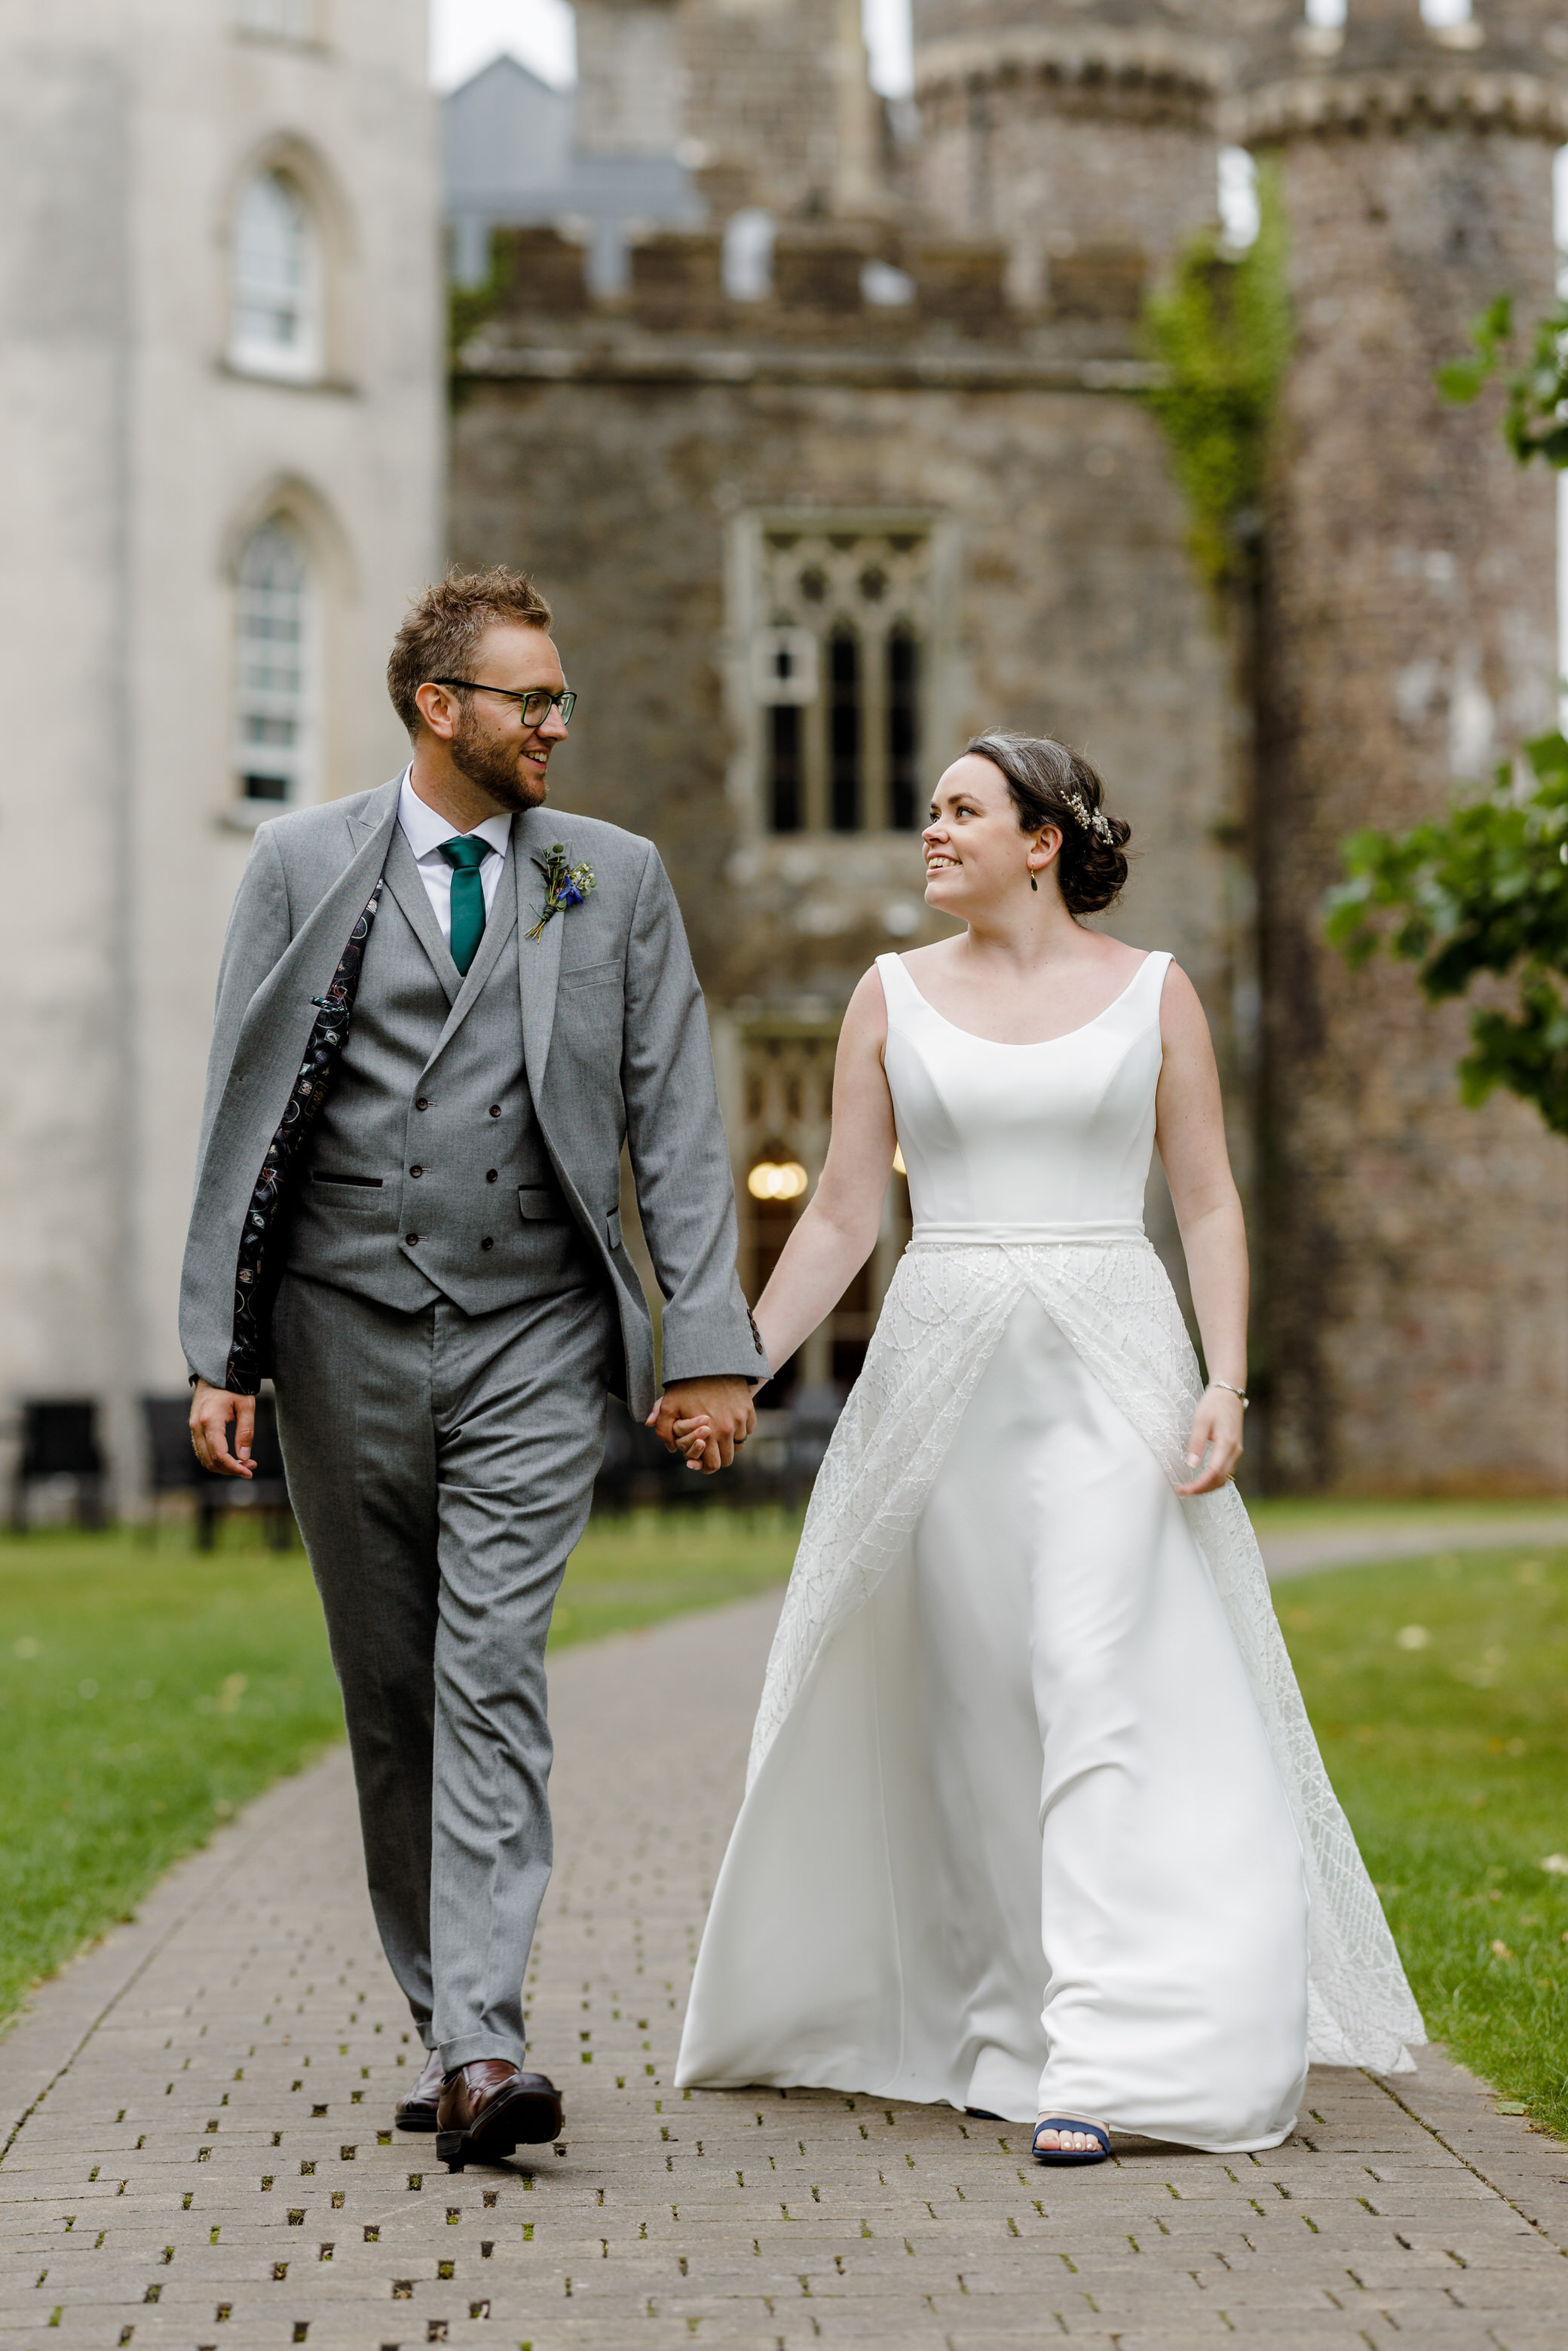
{"x":839,"y":676}
{"x":275,"y":293}
{"x":273,"y":713}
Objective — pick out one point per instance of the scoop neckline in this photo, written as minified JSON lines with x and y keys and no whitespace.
{"x":1038,"y":1044}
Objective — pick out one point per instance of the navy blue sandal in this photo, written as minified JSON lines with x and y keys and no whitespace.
{"x":1070,"y":2154}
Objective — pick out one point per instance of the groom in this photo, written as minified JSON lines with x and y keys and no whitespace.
{"x":441,"y":1013}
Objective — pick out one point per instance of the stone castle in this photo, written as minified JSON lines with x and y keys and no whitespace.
{"x":861,"y":463}
{"x":821,"y":420}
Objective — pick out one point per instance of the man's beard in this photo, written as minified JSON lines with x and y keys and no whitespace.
{"x":492,"y":765}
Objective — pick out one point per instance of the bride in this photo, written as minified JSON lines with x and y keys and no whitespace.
{"x":1035,"y":1822}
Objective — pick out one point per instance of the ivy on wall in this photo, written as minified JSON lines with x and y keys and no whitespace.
{"x":1221,"y":331}
{"x":469,"y":308}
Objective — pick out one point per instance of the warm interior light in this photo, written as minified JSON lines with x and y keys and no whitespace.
{"x":776,"y":1179}
{"x":898,"y":1167}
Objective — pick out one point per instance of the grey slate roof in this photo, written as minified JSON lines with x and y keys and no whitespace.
{"x":509,"y":159}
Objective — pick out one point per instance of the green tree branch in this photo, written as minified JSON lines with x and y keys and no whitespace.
{"x":1484,"y":891}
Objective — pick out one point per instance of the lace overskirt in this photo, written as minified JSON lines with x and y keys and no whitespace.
{"x":941,"y":1320}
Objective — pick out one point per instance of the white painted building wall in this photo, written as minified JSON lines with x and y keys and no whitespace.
{"x":140,"y":450}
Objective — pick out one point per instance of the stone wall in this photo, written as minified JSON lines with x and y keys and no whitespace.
{"x":625,"y":469}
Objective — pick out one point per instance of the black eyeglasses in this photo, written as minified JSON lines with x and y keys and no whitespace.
{"x":536,"y":702}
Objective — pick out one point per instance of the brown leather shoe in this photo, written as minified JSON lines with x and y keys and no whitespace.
{"x":488,"y":2108}
{"x":416,"y":2109}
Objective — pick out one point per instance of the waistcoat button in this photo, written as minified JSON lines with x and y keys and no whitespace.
{"x":495,"y":1109}
{"x":424,"y":1103}
{"x":491,"y":1174}
{"x":416,"y":1171}
{"x":410,"y":1239}
{"x":486,"y":1242}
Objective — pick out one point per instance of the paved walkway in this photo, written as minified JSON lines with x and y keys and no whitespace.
{"x":1308,"y":1549}
{"x":194,"y":2121}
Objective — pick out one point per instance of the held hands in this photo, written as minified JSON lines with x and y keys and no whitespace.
{"x":706,"y":1420}
{"x":212,"y":1409}
{"x":1217,"y":1433}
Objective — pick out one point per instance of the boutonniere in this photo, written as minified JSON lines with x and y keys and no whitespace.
{"x":565,"y":885}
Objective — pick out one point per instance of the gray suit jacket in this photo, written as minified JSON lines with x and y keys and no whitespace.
{"x":615,"y":1045}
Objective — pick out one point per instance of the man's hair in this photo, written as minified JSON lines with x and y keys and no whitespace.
{"x":443,"y":627}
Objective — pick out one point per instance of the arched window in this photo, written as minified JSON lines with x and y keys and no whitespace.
{"x":274,"y":731}
{"x":277,"y":281}
{"x":839,"y":674}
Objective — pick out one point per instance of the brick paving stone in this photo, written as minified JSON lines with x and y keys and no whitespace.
{"x":198,"y":2153}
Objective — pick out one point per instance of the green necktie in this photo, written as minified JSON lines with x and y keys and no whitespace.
{"x":466,"y":854}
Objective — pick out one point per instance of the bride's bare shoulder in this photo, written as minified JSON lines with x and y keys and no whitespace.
{"x":1182,"y":1017}
{"x":1115,"y":955}
{"x":929,"y":958}
{"x":865,"y":1015}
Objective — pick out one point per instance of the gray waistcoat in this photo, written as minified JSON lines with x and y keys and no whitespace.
{"x":426,"y":1174}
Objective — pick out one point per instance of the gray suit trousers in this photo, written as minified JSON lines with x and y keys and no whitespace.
{"x":441,"y":1466}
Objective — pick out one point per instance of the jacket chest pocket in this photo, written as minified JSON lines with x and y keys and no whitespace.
{"x":588,"y":977}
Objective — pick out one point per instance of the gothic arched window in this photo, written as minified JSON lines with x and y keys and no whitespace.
{"x":276,"y":287}
{"x":841,"y":669}
{"x":274,"y":728}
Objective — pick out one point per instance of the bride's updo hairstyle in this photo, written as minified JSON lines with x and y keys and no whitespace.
{"x":1051,"y":785}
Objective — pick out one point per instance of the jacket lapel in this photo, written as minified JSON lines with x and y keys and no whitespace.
{"x":407,"y":886}
{"x":538,"y":960}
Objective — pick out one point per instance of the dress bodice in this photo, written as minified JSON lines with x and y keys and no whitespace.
{"x":1026,"y":1143}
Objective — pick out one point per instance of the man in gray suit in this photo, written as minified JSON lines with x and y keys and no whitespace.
{"x":441,"y":1013}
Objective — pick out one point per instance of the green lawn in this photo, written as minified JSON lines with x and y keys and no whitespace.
{"x":1437,"y":1688}
{"x":145,"y":1692}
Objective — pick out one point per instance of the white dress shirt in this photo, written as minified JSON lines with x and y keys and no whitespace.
{"x":425,"y":830}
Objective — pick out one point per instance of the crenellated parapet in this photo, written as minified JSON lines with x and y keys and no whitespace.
{"x":1386,"y":68}
{"x":1083,"y":66}
{"x":1062,"y":128}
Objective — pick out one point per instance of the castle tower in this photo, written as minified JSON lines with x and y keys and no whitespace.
{"x":1072,"y":131}
{"x":768,"y":106}
{"x":1415,"y":1303}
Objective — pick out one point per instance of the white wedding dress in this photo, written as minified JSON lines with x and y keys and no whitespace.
{"x":1035,"y":1821}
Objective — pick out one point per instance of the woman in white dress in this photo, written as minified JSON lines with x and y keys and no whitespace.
{"x":1035,"y":1822}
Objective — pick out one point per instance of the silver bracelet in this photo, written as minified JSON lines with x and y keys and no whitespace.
{"x":1245,"y":1399}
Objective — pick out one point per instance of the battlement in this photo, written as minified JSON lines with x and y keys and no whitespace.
{"x":1086,"y":67}
{"x":1385,"y":68}
{"x":840,"y":283}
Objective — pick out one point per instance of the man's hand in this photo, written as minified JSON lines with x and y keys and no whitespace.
{"x":212,"y":1409}
{"x":715,"y":1417}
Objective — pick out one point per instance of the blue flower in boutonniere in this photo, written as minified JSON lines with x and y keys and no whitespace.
{"x":565,"y":885}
